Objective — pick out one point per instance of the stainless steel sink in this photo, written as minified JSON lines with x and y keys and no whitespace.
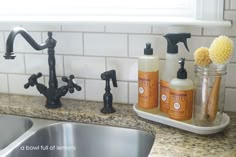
{"x":67,"y":139}
{"x":11,"y":127}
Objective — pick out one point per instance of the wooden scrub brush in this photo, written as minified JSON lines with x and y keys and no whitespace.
{"x":220,"y":53}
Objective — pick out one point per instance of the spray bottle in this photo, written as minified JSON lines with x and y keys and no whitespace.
{"x":171,"y":66}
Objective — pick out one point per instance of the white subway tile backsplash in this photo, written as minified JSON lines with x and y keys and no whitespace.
{"x":16,"y":85}
{"x":162,"y":29}
{"x":133,"y":92}
{"x":39,"y":63}
{"x":67,"y":43}
{"x":41,"y":27}
{"x":21,"y":45}
{"x":84,"y":67}
{"x":77,"y":94}
{"x":4,"y":83}
{"x":83,"y":27}
{"x":120,"y":93}
{"x":105,"y":44}
{"x":230,"y":99}
{"x":16,"y":65}
{"x":137,"y":43}
{"x":94,"y":90}
{"x":229,"y":31}
{"x":231,"y":77}
{"x":126,"y":69}
{"x":128,"y":28}
{"x":2,"y":43}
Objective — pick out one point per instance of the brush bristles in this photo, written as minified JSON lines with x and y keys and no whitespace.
{"x":221,"y":50}
{"x":201,"y":57}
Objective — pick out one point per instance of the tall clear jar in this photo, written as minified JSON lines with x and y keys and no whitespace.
{"x":209,"y":95}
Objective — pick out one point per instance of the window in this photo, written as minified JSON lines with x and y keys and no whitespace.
{"x":120,"y":10}
{"x":95,"y":7}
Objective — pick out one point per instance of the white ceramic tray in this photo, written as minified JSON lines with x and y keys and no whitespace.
{"x":156,"y":116}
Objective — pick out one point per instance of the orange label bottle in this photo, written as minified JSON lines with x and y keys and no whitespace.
{"x":164,"y":96}
{"x":181,"y":103}
{"x":147,"y":89}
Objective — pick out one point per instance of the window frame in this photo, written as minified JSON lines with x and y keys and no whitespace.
{"x":203,"y":11}
{"x":201,"y":17}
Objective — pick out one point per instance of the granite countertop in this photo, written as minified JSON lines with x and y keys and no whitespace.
{"x":169,"y":141}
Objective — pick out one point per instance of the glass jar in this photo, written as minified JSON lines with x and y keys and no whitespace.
{"x":209,"y":96}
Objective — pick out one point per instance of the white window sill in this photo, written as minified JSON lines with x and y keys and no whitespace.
{"x":115,"y":19}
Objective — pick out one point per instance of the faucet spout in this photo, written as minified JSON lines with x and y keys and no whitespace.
{"x":10,"y":41}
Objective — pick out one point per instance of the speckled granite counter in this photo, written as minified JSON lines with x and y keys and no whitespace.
{"x":169,"y":141}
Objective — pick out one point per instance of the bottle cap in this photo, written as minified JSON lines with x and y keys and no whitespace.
{"x":148,"y":50}
{"x":182,"y":73}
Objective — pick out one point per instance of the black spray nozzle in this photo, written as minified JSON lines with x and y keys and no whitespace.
{"x":182,"y":73}
{"x":148,"y":50}
{"x":110,"y":75}
{"x":107,"y":97}
{"x":173,"y":39}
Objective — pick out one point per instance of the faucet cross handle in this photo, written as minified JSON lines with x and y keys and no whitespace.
{"x":32,"y":80}
{"x":71,"y":83}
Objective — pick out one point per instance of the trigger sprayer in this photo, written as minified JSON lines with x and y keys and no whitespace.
{"x":171,"y":66}
{"x":174,"y":39}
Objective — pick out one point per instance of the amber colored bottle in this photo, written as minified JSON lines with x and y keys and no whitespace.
{"x":181,"y":95}
{"x":148,"y":72}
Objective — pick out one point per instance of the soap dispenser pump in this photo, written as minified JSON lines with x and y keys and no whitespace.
{"x":107,"y":97}
{"x":148,"y":76}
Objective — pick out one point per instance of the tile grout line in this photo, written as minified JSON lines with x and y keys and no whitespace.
{"x":202,"y":31}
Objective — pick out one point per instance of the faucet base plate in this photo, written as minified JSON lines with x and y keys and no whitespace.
{"x":107,"y":110}
{"x":53,"y":104}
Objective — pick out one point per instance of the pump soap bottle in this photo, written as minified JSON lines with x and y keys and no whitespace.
{"x":181,"y":95}
{"x":148,"y":72}
{"x":171,"y":66}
